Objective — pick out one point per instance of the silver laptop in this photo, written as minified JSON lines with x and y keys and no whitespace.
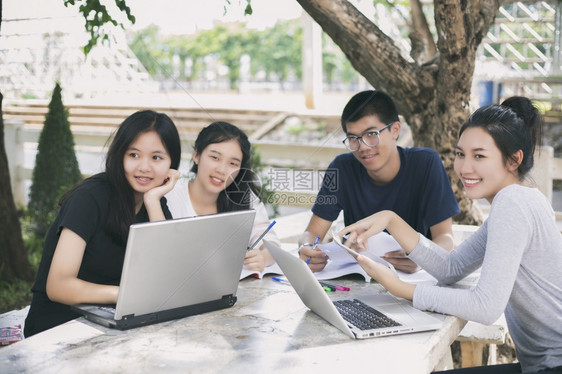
{"x":177,"y":268}
{"x":391,"y":315}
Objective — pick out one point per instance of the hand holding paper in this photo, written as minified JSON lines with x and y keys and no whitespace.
{"x":400,"y":261}
{"x":381,"y":244}
{"x":373,"y":243}
{"x":342,"y":263}
{"x":377,"y":270}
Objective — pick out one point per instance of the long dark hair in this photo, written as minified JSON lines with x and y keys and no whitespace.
{"x":514,"y":125}
{"x":238,"y":195}
{"x":121,"y":212}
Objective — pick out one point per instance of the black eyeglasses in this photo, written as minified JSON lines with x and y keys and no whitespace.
{"x":370,"y":139}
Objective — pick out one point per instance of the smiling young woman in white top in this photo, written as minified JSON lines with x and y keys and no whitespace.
{"x":224,"y":182}
{"x":519,"y":246}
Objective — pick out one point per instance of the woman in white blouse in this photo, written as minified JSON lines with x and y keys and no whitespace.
{"x":224,"y":181}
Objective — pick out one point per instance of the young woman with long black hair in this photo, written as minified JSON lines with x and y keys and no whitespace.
{"x":85,"y":245}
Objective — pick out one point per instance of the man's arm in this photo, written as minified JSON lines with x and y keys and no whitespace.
{"x":442,"y":234}
{"x":317,"y":227}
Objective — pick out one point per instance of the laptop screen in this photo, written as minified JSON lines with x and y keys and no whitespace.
{"x":174,"y":263}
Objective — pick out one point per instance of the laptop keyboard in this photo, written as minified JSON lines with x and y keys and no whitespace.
{"x":362,"y":315}
{"x":107,"y":309}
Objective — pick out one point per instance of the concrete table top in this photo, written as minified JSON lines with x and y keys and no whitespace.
{"x":268,"y":330}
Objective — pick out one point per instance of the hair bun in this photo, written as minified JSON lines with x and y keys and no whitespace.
{"x":524,"y":109}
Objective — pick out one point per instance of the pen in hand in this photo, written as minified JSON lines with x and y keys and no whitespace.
{"x":262,"y":235}
{"x":313,"y":248}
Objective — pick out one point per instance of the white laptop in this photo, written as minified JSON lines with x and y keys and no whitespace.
{"x":392,"y":315}
{"x":177,"y":268}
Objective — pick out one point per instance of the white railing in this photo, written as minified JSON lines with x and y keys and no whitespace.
{"x":546,"y":170}
{"x":283,"y":157}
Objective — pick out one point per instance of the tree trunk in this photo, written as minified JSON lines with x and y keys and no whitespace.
{"x":433,"y":97}
{"x":13,"y":255}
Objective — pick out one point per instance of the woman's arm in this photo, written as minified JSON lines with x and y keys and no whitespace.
{"x":442,"y":235}
{"x":387,"y":278}
{"x":152,"y":198}
{"x":63,"y":284}
{"x":407,"y":237}
{"x":360,"y":231}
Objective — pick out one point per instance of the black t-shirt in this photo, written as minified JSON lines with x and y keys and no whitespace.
{"x":85,"y":213}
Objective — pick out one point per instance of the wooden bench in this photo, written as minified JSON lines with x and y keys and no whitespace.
{"x":475,"y":338}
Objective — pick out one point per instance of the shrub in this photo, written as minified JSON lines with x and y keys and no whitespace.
{"x":56,"y":167}
{"x":32,"y":241}
{"x":14,"y":295}
{"x":258,"y":167}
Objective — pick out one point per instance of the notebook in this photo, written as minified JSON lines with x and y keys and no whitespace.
{"x":177,"y":268}
{"x":271,"y":269}
{"x":400,"y":317}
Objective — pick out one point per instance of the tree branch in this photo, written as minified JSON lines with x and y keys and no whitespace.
{"x":372,"y":53}
{"x":420,"y":28}
{"x":461,"y":26}
{"x":96,"y":16}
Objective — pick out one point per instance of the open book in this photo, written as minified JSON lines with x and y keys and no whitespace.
{"x":341,"y":263}
{"x":271,"y":269}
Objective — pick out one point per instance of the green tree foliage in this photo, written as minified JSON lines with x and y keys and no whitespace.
{"x":278,"y":51}
{"x":274,"y":53}
{"x":335,"y":65}
{"x":231,"y":42}
{"x":146,"y":46}
{"x":182,"y":48}
{"x":96,"y":16}
{"x":56,"y":167}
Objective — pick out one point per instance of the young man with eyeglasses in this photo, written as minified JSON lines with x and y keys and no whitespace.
{"x":379,"y":175}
